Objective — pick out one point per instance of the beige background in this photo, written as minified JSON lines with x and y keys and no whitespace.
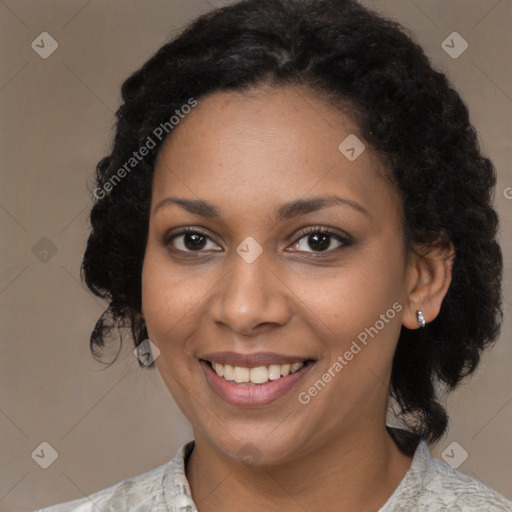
{"x":57,"y":118}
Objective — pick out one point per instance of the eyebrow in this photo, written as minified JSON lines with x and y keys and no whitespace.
{"x":284,"y":212}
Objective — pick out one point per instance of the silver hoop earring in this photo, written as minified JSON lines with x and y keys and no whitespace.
{"x":420,"y":318}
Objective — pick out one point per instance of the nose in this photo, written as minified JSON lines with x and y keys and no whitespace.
{"x":251,"y":297}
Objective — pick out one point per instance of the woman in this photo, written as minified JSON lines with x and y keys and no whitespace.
{"x":295,"y":222}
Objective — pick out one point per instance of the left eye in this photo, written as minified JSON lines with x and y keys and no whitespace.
{"x":319,"y":241}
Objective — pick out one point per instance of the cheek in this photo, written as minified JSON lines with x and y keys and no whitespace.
{"x":354,"y":312}
{"x":346,"y":299}
{"x":173,"y":302}
{"x":168,"y":302}
{"x":167,"y":295}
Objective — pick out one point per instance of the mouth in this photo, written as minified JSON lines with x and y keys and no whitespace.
{"x":259,"y":375}
{"x":254,"y":386}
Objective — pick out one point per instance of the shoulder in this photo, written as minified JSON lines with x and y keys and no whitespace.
{"x":460,"y":491}
{"x":155,"y":490}
{"x":432,"y":485}
{"x":135,"y":490}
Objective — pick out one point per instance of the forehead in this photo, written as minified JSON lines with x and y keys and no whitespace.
{"x":267,"y":145}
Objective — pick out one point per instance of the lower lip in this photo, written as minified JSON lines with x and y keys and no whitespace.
{"x":255,"y":394}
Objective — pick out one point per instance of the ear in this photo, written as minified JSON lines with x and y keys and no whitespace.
{"x":429,"y":274}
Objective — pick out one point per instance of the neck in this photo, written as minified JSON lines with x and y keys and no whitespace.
{"x":335,"y":477}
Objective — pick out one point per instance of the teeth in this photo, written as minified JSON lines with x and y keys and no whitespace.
{"x":285,"y":369}
{"x":240,"y":374}
{"x":296,"y":366}
{"x":274,"y":371}
{"x":227,"y":372}
{"x":219,"y":368}
{"x":257,"y":375}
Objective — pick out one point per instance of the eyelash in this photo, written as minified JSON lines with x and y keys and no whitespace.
{"x":345,"y":240}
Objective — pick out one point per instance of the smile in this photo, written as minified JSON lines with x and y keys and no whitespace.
{"x":256,"y":386}
{"x":258,"y":375}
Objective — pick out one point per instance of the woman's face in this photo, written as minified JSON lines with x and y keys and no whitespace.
{"x":249,"y":280}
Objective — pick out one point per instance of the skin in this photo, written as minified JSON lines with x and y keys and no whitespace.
{"x":247,"y":154}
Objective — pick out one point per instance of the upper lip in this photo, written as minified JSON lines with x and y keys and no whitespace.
{"x":252,"y":360}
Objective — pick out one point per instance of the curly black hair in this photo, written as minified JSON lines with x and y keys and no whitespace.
{"x":406,"y":110}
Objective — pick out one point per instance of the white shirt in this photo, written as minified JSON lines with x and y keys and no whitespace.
{"x":429,"y":485}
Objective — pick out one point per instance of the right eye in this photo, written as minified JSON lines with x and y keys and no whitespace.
{"x":192,"y":240}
